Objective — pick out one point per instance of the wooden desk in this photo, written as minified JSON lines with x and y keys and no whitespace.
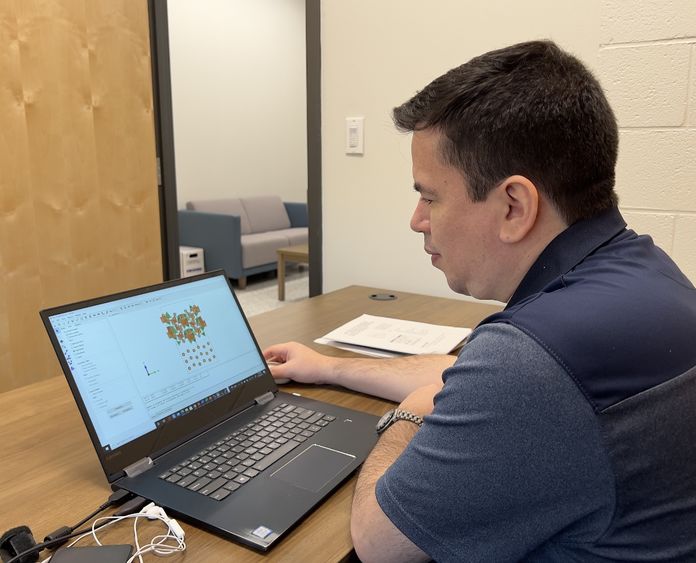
{"x":299,"y":253}
{"x":51,"y":475}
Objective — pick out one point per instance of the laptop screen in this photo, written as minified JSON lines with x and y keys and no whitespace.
{"x":142,"y":361}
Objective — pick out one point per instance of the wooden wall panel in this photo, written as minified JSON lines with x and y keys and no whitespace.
{"x":79,"y":210}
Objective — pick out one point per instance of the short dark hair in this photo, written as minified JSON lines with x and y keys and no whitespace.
{"x":529,"y":109}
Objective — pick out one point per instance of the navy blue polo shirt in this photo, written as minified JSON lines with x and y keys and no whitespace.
{"x":565,"y":429}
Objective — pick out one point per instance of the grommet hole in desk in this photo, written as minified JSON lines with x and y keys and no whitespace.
{"x":383,"y":296}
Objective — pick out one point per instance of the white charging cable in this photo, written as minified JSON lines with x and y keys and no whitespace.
{"x":158,"y":545}
{"x":162,"y":544}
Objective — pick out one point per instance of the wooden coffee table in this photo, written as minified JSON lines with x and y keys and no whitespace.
{"x":298,"y":253}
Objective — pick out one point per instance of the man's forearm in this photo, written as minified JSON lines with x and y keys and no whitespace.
{"x":393,"y":379}
{"x":375,"y":538}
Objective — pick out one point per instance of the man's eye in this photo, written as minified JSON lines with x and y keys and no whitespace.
{"x":426,"y":200}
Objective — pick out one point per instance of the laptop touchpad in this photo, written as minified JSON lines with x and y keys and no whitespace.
{"x":314,"y":467}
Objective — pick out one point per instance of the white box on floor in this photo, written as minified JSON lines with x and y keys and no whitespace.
{"x":191,"y":261}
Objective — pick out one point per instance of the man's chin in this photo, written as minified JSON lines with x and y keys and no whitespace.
{"x":457,"y":287}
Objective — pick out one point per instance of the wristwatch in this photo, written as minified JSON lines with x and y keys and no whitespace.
{"x":392,"y":416}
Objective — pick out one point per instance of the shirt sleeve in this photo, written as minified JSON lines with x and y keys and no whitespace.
{"x":510,"y":459}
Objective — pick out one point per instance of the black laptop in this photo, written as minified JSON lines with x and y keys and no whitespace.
{"x":182,"y":410}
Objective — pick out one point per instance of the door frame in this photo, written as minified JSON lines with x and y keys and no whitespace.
{"x":164,"y":139}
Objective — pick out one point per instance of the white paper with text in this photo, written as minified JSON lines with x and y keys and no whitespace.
{"x":396,"y":335}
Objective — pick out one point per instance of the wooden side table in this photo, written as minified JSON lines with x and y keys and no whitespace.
{"x":298,"y":253}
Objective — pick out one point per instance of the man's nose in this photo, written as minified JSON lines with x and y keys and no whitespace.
{"x":420,"y":220}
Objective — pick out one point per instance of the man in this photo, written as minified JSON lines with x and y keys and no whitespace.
{"x":564,"y":431}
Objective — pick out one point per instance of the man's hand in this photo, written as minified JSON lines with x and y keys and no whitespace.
{"x":295,"y":361}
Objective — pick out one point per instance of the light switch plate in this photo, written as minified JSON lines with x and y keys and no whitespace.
{"x":355,"y":135}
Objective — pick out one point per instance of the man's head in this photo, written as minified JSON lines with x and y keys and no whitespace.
{"x":508,"y":150}
{"x":529,"y":109}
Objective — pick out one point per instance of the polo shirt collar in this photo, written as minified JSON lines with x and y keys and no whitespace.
{"x":567,"y":250}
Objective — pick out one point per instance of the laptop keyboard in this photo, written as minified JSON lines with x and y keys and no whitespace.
{"x":220,"y":469}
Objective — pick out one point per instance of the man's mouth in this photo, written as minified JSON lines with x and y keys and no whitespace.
{"x":434,"y":256}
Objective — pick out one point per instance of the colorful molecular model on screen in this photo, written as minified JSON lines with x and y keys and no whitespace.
{"x":187,"y":329}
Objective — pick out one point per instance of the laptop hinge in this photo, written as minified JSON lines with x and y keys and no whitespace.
{"x":265,"y":398}
{"x":139,"y":467}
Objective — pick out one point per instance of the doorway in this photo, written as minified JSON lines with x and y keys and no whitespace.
{"x":162,"y":80}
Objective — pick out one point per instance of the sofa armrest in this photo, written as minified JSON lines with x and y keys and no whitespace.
{"x":297,"y":212}
{"x":220,"y":237}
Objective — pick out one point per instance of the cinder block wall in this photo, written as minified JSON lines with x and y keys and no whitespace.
{"x":647,"y":65}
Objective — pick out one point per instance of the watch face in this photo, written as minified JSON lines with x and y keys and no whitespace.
{"x":384,"y":421}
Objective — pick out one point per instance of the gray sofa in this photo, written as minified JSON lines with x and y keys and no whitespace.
{"x":241,"y":235}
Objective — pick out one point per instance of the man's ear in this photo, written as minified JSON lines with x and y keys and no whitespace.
{"x":521,"y":200}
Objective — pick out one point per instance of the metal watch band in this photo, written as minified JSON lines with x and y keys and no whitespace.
{"x":405,"y":415}
{"x":395,"y":415}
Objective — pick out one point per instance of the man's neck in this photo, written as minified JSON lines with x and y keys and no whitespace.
{"x":548,"y":226}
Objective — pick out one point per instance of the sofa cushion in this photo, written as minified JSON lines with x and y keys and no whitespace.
{"x":227,"y":206}
{"x":296,"y":235}
{"x":260,"y":248}
{"x":265,"y":213}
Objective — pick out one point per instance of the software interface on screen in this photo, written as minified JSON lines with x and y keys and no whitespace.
{"x":142,"y":360}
